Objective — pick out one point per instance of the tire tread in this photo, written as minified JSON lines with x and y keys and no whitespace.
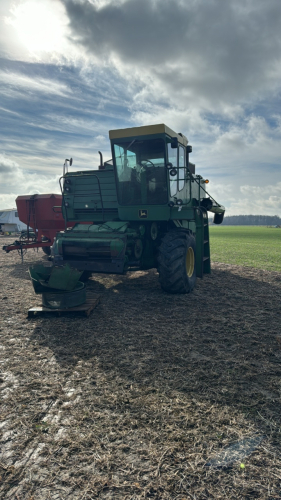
{"x":171,"y":262}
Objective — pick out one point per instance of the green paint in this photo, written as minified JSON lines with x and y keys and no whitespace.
{"x":149,"y":182}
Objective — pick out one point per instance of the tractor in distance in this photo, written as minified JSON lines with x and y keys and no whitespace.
{"x":143,"y":209}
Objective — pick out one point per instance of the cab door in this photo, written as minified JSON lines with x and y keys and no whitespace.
{"x":179,"y":187}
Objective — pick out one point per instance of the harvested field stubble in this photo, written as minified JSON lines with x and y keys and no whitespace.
{"x":135,"y":400}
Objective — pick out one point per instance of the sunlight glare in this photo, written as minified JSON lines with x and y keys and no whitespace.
{"x":39,"y":26}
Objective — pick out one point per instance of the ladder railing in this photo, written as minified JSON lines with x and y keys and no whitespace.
{"x":203,"y":261}
{"x":86,"y":194}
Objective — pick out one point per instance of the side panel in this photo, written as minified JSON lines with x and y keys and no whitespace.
{"x":89,"y":195}
{"x":156,"y":213}
{"x":38,"y":210}
{"x":145,"y":213}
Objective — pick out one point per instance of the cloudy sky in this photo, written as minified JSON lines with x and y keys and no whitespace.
{"x":70,"y":70}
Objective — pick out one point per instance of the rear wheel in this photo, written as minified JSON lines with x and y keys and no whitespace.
{"x":176,"y":262}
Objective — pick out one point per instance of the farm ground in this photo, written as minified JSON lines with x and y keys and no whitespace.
{"x":134,"y":401}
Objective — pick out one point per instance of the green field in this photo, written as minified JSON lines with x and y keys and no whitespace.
{"x":252,"y":246}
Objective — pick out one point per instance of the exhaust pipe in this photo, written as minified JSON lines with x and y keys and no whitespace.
{"x":101,"y":167}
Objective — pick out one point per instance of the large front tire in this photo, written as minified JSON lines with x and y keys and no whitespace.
{"x":176,"y":262}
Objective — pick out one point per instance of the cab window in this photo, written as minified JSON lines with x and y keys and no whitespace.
{"x":181,"y":168}
{"x":173,"y":158}
{"x":141,"y":172}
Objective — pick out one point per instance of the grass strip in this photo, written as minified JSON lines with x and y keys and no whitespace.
{"x":253,"y":246}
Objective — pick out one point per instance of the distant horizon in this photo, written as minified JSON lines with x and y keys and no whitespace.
{"x":250,"y":220}
{"x":209,"y":217}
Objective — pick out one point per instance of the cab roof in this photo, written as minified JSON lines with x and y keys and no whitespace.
{"x":161,"y":128}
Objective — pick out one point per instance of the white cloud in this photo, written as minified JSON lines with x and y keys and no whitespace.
{"x":208,"y":69}
{"x":274,"y":189}
{"x":211,"y":53}
{"x":256,"y":206}
{"x":7,"y":201}
{"x":16,"y":181}
{"x":219,"y":190}
{"x":39,"y":26}
{"x":17,"y":82}
{"x":254,"y":200}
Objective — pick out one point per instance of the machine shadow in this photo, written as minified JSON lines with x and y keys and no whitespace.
{"x":19,"y":270}
{"x":221,"y":343}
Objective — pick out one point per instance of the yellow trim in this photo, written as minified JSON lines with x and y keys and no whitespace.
{"x":146,"y":130}
{"x":189,"y":262}
{"x":143,"y":213}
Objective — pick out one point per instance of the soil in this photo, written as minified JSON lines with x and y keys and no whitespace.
{"x":140,"y":399}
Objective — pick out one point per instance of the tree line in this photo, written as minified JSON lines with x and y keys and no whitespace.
{"x":251,"y":220}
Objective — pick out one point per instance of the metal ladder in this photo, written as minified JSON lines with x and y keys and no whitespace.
{"x":203,"y":261}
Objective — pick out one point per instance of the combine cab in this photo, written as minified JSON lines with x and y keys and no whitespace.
{"x":143,"y":209}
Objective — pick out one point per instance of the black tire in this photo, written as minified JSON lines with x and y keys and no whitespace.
{"x":176,"y":262}
{"x":47,"y":250}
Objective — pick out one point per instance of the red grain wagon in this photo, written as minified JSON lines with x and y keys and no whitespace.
{"x":43,"y":217}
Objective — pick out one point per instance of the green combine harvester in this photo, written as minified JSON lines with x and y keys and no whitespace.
{"x":143,"y":209}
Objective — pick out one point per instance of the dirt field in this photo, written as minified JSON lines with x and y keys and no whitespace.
{"x":140,"y":399}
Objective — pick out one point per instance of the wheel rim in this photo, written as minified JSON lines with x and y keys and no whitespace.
{"x":189,"y":262}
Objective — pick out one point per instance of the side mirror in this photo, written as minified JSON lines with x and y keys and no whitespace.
{"x":174,"y":143}
{"x":191,"y":168}
{"x":218,"y":218}
{"x":70,"y":161}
